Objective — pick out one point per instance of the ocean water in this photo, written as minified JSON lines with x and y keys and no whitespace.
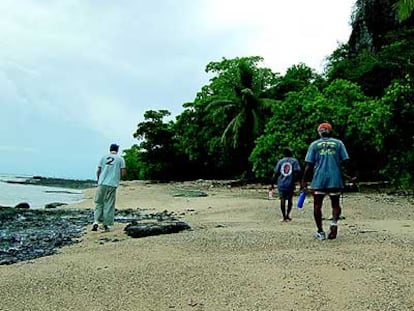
{"x":36,"y":196}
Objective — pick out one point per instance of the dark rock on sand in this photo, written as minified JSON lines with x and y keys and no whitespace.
{"x":55,"y":204}
{"x":29,"y":233}
{"x":139,"y":230}
{"x":189,"y":193}
{"x":23,"y":205}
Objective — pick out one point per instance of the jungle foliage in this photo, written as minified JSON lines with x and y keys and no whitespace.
{"x":239,"y":123}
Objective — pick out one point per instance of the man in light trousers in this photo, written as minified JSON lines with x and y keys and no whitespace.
{"x":110,"y":170}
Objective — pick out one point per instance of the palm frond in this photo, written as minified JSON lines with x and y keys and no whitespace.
{"x":404,"y":9}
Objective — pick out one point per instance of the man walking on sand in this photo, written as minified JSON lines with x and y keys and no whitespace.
{"x":287,"y":171}
{"x":325,"y":156}
{"x":111,"y":168}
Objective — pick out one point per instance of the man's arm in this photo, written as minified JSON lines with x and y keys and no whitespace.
{"x":297,"y":170}
{"x":123,"y":172}
{"x":98,"y":172}
{"x":272,"y":181}
{"x":308,"y":168}
{"x":274,"y":176}
{"x":348,"y":171}
{"x":296,"y":177}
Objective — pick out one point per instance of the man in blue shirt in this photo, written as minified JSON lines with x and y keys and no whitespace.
{"x":287,"y":171}
{"x":111,"y":168}
{"x":325,"y":156}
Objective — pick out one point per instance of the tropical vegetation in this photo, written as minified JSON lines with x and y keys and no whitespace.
{"x":238,"y":124}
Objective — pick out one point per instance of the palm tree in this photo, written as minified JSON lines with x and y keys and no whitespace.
{"x":245,"y":108}
{"x":241,"y":108}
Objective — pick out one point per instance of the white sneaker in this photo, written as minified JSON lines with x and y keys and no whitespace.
{"x":320,"y":236}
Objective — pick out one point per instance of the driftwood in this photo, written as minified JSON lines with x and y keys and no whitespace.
{"x":139,"y":230}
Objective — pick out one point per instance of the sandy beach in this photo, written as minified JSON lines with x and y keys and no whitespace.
{"x":238,"y":256}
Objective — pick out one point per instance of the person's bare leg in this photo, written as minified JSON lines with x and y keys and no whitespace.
{"x":289,"y":208}
{"x":317,"y":211}
{"x":336,"y":208}
{"x":283,"y":208}
{"x":336,"y":213}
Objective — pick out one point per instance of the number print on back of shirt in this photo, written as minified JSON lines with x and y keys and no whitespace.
{"x":109,"y":161}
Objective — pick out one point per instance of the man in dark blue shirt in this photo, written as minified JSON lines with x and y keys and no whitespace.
{"x":287,"y":170}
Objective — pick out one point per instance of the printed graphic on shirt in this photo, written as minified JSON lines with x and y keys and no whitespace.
{"x":286,"y":169}
{"x":327,"y":147}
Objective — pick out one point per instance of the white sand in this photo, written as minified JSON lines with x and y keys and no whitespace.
{"x":237,"y":257}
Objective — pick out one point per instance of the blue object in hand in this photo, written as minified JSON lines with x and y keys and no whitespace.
{"x":301,"y":199}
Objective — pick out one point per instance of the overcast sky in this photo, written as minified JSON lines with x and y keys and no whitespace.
{"x":77,"y":75}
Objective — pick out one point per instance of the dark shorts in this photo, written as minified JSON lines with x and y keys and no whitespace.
{"x":285,"y":193}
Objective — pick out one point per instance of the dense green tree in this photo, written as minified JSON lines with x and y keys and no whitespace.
{"x":295,"y":79}
{"x":399,"y":136}
{"x":374,"y":72}
{"x":198,"y":143}
{"x":357,"y":120}
{"x":229,"y":113}
{"x":155,"y":152}
{"x":288,"y":127}
{"x":133,"y":163}
{"x":379,"y":49}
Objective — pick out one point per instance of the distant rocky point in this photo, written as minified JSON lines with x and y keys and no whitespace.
{"x":55,"y":182}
